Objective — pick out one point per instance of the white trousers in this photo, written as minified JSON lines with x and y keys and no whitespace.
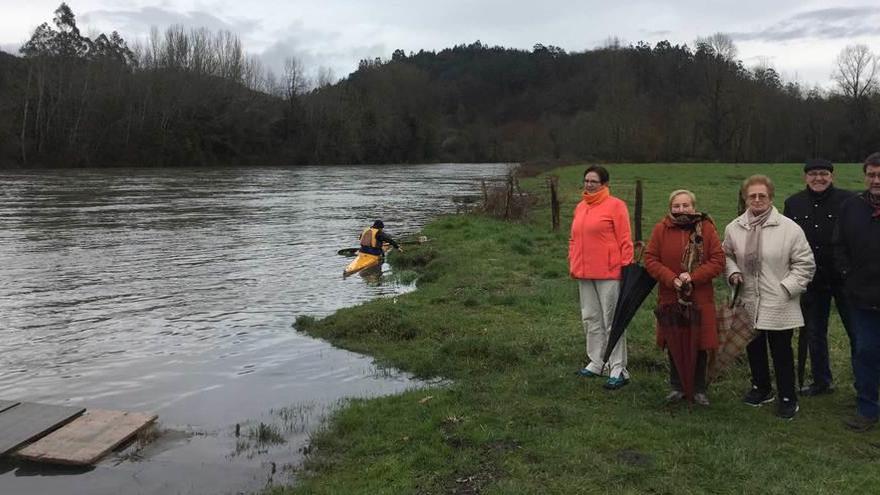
{"x":598,"y":298}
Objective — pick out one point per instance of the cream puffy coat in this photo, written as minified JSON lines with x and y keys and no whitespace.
{"x":787,"y":266}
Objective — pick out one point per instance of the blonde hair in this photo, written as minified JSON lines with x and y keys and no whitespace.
{"x":682,"y":191}
{"x":757,"y":179}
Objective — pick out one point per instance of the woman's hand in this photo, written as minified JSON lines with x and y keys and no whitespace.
{"x":685,"y":278}
{"x":735,"y":278}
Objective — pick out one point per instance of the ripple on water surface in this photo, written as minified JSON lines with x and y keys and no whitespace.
{"x":174,"y":291}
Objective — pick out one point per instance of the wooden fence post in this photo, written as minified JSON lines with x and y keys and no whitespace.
{"x":509,"y":197}
{"x":553,"y":182}
{"x":637,"y":217}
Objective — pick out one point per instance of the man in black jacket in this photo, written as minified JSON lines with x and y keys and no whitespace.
{"x":816,"y":210}
{"x":857,"y":256}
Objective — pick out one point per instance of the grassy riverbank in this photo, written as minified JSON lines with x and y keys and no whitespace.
{"x":496,"y":313}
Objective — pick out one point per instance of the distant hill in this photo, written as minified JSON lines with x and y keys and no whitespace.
{"x":662,"y":103}
{"x":81,"y":102}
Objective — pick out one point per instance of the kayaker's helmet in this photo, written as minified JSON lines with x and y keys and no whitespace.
{"x":378,"y":224}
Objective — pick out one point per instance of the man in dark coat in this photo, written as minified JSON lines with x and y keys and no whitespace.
{"x":857,"y":244}
{"x":816,"y":210}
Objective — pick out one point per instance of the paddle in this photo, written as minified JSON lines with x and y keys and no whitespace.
{"x":350,"y":252}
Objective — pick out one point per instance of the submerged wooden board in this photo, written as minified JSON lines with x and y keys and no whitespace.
{"x":6,"y":404}
{"x":88,"y":438}
{"x":28,"y":421}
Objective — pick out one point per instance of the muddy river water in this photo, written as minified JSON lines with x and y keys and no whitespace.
{"x":174,"y":291}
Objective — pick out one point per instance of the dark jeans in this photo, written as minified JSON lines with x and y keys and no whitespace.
{"x":866,"y":364}
{"x":699,"y":374}
{"x":783,"y":361}
{"x":816,"y":306}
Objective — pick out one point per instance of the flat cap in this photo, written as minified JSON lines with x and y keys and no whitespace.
{"x":818,"y":164}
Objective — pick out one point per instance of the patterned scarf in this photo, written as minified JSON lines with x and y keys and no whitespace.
{"x":752,"y":256}
{"x":692,"y":256}
{"x":693,"y":253}
{"x":597,"y":197}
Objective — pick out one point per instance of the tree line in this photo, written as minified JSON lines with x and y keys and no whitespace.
{"x":195,"y":97}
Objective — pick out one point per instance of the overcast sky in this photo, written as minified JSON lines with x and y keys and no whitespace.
{"x":800,"y":39}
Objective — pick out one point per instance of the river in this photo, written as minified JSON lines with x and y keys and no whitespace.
{"x":174,"y":291}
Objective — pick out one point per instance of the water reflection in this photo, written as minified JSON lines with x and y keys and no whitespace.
{"x":173,"y":291}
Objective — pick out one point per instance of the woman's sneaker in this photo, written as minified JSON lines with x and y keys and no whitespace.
{"x":787,"y":408}
{"x":701,"y":399}
{"x":586,"y":373}
{"x":615,"y":383}
{"x":757,"y":397}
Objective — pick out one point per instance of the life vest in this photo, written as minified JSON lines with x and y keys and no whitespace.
{"x":370,"y":243}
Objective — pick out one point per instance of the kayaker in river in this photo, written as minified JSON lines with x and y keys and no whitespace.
{"x":373,"y":238}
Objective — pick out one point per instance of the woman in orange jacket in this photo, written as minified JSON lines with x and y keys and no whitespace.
{"x":684,"y":255}
{"x":599,"y":246}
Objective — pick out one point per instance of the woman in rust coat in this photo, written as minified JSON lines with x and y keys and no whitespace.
{"x":684,"y":255}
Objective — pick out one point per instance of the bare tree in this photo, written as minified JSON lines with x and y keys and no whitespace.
{"x":721,"y":44}
{"x":325,"y":77}
{"x":856,"y":72}
{"x":856,"y":77}
{"x":295,"y":81}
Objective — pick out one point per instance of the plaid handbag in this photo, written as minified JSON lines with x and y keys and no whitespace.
{"x":735,"y":330}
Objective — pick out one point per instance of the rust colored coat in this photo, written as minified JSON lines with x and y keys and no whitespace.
{"x":663,"y":261}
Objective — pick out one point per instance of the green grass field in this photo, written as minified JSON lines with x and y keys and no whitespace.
{"x":497,"y":314}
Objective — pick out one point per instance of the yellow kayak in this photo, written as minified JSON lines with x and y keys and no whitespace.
{"x":363,"y":261}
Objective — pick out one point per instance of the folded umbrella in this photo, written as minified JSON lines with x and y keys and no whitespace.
{"x":679,"y":327}
{"x":736,"y":329}
{"x":635,"y":286}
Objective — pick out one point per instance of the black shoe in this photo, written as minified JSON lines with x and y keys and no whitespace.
{"x":859,"y":423}
{"x":756,"y":397}
{"x":787,"y":408}
{"x":817,"y":389}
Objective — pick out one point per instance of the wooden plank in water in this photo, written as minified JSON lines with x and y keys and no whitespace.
{"x":88,"y":438}
{"x":6,"y":404}
{"x":29,"y":421}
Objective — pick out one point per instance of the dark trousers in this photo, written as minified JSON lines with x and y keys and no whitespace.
{"x":783,"y":361}
{"x":866,"y":364}
{"x":699,"y":374}
{"x":816,"y":307}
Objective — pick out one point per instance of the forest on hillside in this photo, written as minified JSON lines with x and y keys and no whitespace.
{"x":195,"y":97}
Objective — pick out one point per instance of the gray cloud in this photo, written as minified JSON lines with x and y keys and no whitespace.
{"x":833,"y":23}
{"x":10,"y":47}
{"x":316,"y":50}
{"x":140,"y":21}
{"x":838,"y":13}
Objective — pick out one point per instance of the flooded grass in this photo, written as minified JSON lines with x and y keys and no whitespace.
{"x":501,"y":324}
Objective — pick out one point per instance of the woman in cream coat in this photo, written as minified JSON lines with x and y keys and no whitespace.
{"x":769,"y":255}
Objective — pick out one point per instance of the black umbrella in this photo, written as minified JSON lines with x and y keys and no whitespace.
{"x":635,"y":283}
{"x":635,"y":286}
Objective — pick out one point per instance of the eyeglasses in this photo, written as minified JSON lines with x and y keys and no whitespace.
{"x":872,"y":175}
{"x":591,"y":181}
{"x":755,"y":196}
{"x":818,"y":173}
